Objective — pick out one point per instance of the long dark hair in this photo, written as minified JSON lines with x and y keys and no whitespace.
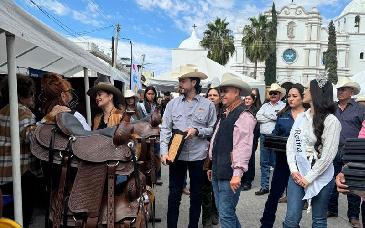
{"x":300,"y":89}
{"x":257,"y":103}
{"x":323,"y":105}
{"x":147,"y":104}
{"x":198,"y":87}
{"x":220,"y":105}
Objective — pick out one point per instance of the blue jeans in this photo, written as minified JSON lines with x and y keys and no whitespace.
{"x":226,"y":201}
{"x":278,"y":184}
{"x":177,"y":178}
{"x":267,"y":159}
{"x":353,"y":201}
{"x":295,"y":205}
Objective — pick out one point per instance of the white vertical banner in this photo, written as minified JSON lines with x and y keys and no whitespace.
{"x":135,"y":78}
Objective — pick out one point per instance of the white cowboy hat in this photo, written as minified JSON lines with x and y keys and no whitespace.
{"x":277,"y":88}
{"x":360,"y":98}
{"x":189,"y":71}
{"x":129,"y":93}
{"x":232,"y":80}
{"x":346,"y":82}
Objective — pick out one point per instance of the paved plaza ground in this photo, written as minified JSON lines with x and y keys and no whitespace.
{"x":249,"y":209}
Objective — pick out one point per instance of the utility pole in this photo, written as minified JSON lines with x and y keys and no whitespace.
{"x":113,"y":59}
{"x":142,"y":65}
{"x":117,"y":30}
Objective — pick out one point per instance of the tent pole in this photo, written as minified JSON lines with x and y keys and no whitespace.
{"x":14,"y":128}
{"x":87,"y":97}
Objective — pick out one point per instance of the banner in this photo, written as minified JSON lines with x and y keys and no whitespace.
{"x":135,"y":78}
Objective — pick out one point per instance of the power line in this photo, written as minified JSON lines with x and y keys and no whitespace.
{"x":67,"y":29}
{"x":94,"y":30}
{"x":100,"y":12}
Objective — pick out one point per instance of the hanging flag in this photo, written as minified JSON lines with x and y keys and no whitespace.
{"x":135,"y":78}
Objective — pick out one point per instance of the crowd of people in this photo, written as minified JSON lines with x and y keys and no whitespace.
{"x":222,"y":131}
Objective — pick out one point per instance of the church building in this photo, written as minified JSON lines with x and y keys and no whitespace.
{"x":302,"y":40}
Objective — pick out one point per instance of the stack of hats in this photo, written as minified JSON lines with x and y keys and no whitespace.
{"x":276,"y":143}
{"x":354,"y":157}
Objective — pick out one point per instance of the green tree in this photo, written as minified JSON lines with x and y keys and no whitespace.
{"x":219,"y":41}
{"x":256,"y":40}
{"x":270,"y":62}
{"x":331,"y":54}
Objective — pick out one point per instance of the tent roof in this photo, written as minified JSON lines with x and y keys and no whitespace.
{"x":213,"y":69}
{"x":39,"y":47}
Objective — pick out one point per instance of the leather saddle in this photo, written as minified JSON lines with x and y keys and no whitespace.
{"x":93,"y":198}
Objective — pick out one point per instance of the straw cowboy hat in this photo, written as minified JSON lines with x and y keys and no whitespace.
{"x":232,"y":80}
{"x":107,"y":87}
{"x":129,"y":93}
{"x":346,"y":82}
{"x":276,"y":88}
{"x":189,"y":71}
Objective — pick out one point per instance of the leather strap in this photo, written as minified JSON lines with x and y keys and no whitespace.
{"x":111,"y":185}
{"x":152,"y":160}
{"x":60,"y":194}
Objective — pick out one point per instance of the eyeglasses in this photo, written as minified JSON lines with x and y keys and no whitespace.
{"x":273,"y":93}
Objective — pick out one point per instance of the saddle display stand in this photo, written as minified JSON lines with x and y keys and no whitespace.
{"x":84,"y":166}
{"x":354,"y":157}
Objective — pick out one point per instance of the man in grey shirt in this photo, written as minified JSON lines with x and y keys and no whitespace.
{"x":196,"y":116}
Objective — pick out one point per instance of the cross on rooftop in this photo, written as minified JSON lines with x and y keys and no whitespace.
{"x":194,"y":26}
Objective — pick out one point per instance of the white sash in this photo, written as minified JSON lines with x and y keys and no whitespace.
{"x":304,"y":163}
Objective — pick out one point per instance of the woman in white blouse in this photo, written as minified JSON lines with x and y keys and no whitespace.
{"x":311,"y":148}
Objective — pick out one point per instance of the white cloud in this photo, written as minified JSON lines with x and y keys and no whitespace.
{"x":53,"y":5}
{"x":90,"y":15}
{"x":157,"y":59}
{"x":306,"y":3}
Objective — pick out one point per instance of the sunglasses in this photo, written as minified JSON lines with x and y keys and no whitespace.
{"x":273,"y":93}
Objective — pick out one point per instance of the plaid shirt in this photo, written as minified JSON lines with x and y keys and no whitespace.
{"x":26,"y":119}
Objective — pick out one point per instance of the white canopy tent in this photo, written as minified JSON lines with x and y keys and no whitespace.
{"x":167,"y":81}
{"x":26,"y":42}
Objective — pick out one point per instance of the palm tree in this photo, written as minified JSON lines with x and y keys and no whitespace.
{"x":218,"y":40}
{"x":256,"y":40}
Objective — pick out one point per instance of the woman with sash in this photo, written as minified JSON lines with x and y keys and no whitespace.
{"x":279,"y":182}
{"x":311,"y":148}
{"x":148,"y":106}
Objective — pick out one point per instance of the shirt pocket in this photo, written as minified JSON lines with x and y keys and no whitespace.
{"x":176,"y":117}
{"x":199,"y":118}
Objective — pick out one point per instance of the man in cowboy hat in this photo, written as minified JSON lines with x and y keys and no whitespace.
{"x":266,"y":116}
{"x":194,"y":115}
{"x":231,"y":148}
{"x":351,"y":116}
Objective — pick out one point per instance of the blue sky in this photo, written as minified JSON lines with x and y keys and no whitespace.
{"x":155,"y":26}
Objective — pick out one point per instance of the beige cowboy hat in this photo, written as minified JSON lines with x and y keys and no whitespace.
{"x":129,"y":93}
{"x":346,"y":82}
{"x":189,"y":71}
{"x":107,"y":87}
{"x":232,"y":80}
{"x":277,"y":88}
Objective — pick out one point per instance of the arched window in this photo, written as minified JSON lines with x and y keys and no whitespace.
{"x":362,"y":55}
{"x":357,"y":20}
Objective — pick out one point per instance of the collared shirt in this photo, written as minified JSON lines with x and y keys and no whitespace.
{"x":242,"y":143}
{"x":267,"y":116}
{"x":303,"y":125}
{"x":351,"y":119}
{"x":26,"y":119}
{"x":181,"y":114}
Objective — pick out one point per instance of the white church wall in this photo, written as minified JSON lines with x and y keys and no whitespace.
{"x":357,"y":45}
{"x":181,"y":56}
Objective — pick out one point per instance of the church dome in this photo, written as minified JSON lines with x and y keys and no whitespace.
{"x":193,"y":42}
{"x":355,"y":6}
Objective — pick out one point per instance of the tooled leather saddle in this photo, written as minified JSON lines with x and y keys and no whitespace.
{"x":86,"y":165}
